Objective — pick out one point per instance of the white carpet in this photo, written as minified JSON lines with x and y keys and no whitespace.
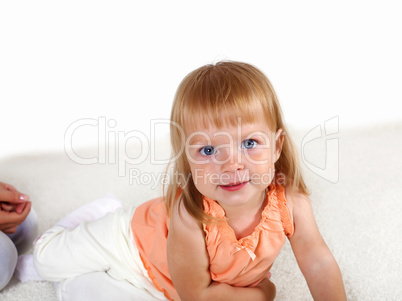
{"x":360,"y":216}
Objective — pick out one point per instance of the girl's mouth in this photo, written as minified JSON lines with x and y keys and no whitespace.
{"x":233,"y":187}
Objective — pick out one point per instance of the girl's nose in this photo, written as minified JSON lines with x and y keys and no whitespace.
{"x":233,"y":161}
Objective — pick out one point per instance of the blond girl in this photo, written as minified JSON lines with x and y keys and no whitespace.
{"x":236,"y":193}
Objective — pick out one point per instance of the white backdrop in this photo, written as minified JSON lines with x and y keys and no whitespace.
{"x":117,"y":64}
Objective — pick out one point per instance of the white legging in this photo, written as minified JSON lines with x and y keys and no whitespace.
{"x":99,"y":286}
{"x":94,"y":260}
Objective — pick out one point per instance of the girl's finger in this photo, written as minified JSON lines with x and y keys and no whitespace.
{"x":12,"y":196}
{"x":27,"y":208}
{"x":20,"y":207}
{"x":6,"y":207}
{"x":7,"y":187}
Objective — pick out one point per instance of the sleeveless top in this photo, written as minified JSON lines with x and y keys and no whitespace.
{"x":243,"y":262}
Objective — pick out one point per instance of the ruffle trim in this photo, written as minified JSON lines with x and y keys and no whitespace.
{"x":276,"y":203}
{"x":153,"y":279}
{"x":286,"y":219}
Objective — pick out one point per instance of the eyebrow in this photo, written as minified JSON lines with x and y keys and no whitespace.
{"x":198,"y":137}
{"x":202,"y":138}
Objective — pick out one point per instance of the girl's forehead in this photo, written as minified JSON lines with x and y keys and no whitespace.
{"x":228,"y":129}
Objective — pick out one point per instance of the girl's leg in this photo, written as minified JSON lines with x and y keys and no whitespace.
{"x":8,"y":259}
{"x":99,"y":286}
{"x":66,"y":252}
{"x":84,"y":254}
{"x":89,"y":212}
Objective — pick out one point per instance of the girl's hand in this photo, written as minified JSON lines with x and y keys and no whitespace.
{"x":268,"y":288}
{"x":14,"y":208}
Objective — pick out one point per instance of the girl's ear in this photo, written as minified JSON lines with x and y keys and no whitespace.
{"x":279,"y":139}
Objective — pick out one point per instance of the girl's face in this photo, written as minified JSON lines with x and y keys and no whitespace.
{"x":234,"y":165}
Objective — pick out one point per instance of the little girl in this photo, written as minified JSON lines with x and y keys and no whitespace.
{"x":237,"y":194}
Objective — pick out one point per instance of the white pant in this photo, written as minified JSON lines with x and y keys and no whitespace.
{"x":99,"y":286}
{"x":100,"y":254}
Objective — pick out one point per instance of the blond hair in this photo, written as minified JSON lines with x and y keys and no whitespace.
{"x":220,"y":94}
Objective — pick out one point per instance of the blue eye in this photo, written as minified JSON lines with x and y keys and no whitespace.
{"x":207,"y":151}
{"x":249,"y":143}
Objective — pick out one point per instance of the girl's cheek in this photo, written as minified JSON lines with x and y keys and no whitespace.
{"x":193,"y":158}
{"x":259,"y":156}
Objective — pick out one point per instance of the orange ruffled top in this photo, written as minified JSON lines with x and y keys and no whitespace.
{"x":243,"y":262}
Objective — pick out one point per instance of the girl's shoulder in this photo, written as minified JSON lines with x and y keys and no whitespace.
{"x":182,"y":218}
{"x":295,"y":199}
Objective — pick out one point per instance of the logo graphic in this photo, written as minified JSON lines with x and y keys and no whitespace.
{"x":329,"y":170}
{"x":319,"y":148}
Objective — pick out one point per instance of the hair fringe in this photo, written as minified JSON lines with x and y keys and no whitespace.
{"x":208,"y":95}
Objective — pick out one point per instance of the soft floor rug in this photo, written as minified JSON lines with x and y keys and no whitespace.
{"x":356,"y":189}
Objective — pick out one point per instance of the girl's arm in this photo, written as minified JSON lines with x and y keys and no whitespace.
{"x":189,"y":265}
{"x":313,"y":256}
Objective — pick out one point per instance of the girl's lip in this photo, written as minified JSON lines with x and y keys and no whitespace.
{"x":233,"y":187}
